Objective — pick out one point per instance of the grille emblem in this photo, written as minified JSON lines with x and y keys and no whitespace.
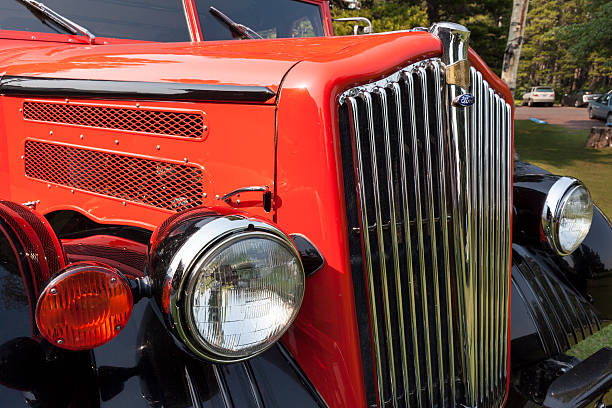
{"x":463,"y":100}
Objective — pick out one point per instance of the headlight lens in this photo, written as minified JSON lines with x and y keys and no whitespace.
{"x":575,"y":219}
{"x":244,"y":293}
{"x":567,"y":215}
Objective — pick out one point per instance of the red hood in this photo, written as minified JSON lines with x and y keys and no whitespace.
{"x":259,"y":62}
{"x":256,"y":62}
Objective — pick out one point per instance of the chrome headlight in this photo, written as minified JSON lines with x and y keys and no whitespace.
{"x":233,"y":286}
{"x":567,"y":215}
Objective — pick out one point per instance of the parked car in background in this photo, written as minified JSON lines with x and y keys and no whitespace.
{"x":579,"y":97}
{"x":544,"y":95}
{"x":200,"y":209}
{"x":601,"y":108}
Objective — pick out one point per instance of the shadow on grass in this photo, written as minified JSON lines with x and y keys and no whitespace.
{"x":555,"y":145}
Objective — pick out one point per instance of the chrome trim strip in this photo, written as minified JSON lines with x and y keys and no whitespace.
{"x":475,"y":272}
{"x":193,"y":395}
{"x":508,"y":214}
{"x":444,"y":226}
{"x":222,"y":386}
{"x":392,"y":211}
{"x":419,"y":217}
{"x":430,"y":214}
{"x":408,"y":239}
{"x":255,"y":393}
{"x":367,"y":97}
{"x":481,"y":298}
{"x":358,"y":160}
{"x":489,"y":253}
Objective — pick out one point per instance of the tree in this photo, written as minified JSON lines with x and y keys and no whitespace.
{"x":567,"y":45}
{"x":512,"y":53}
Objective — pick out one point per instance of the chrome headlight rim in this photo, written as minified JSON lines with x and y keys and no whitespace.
{"x":210,"y":254}
{"x":555,"y":202}
{"x":198,"y":248}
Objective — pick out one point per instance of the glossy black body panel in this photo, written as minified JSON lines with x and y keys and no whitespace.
{"x":584,"y":384}
{"x":556,"y":300}
{"x":144,"y":367}
{"x":549,"y":315}
{"x":133,"y":90}
{"x":589,"y":268}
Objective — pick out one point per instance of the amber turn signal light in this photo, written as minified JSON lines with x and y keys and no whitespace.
{"x":83,"y":307}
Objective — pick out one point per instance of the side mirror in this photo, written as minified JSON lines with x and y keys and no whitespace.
{"x":358,"y":29}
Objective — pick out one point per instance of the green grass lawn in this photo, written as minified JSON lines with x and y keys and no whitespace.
{"x":561,"y":150}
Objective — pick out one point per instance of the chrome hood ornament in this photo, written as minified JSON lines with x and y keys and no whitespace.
{"x":455,"y":44}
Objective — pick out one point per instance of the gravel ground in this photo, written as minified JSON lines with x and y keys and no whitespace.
{"x":577,"y":118}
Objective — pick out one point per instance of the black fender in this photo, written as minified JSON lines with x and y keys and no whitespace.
{"x":549,"y":313}
{"x":34,"y":372}
{"x":557,"y":300}
{"x":589,"y":268}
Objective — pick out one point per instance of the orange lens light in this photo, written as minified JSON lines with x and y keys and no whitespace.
{"x":84,"y":307}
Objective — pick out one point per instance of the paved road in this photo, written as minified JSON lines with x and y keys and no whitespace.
{"x":577,"y":118}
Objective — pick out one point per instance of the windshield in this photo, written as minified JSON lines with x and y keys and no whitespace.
{"x":544,"y":89}
{"x":146,"y":20}
{"x":268,"y":18}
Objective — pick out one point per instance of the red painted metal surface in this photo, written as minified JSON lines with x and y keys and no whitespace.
{"x":123,"y":254}
{"x":43,"y":250}
{"x":303,"y":167}
{"x":234,"y":154}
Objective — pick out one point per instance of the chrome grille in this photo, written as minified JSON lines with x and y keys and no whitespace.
{"x":428,"y":209}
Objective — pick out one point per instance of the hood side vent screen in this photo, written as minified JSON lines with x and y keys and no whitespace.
{"x":146,"y":120}
{"x":167,"y":185}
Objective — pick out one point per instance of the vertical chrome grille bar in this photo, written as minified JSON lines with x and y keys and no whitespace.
{"x":478,"y":226}
{"x":407,"y":233}
{"x":475,"y":271}
{"x":507,"y":214}
{"x":396,"y":263}
{"x":491,"y":234}
{"x":419,"y":226}
{"x":486,"y":249}
{"x":431,"y":215}
{"x":492,"y":253}
{"x":358,"y":159}
{"x":444,"y":226}
{"x":502,"y":233}
{"x":457,"y":184}
{"x":396,"y":92}
{"x":496,"y":199}
{"x":367,"y":97}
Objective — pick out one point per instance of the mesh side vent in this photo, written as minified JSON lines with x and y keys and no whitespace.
{"x":137,"y":120}
{"x":175,"y":187}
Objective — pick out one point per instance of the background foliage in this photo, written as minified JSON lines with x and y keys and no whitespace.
{"x":567,"y":44}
